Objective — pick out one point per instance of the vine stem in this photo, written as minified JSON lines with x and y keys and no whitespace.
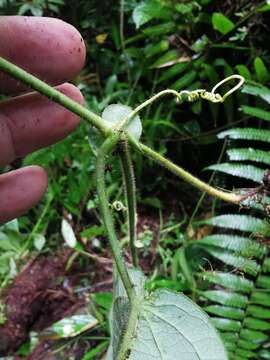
{"x":105,"y":129}
{"x":193,"y":95}
{"x":180,"y":172}
{"x":130,"y":193}
{"x":53,"y":94}
{"x":105,"y":149}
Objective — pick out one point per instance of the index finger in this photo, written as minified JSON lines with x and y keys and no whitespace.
{"x":49,"y":48}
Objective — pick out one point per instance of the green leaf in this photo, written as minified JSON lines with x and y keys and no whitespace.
{"x":74,"y":325}
{"x":247,"y":344}
{"x":258,"y":312}
{"x":256,"y":112}
{"x":148,"y":10}
{"x":238,"y":262}
{"x":249,"y":154}
{"x":241,"y":245}
{"x":226,"y":324}
{"x":260,"y":70}
{"x":169,"y":56}
{"x":221,"y":23}
{"x":173,"y":71}
{"x":230,"y":281}
{"x":257,"y":90}
{"x":229,"y":337}
{"x":184,"y":81}
{"x":160,"y":29}
{"x":246,"y":354}
{"x":169,"y":326}
{"x":266,"y":265}
{"x":243,"y":71}
{"x":264,"y":354}
{"x":249,"y":172}
{"x":155,"y":49}
{"x":260,"y":298}
{"x":114,"y":113}
{"x":168,"y":320}
{"x":263,"y":282}
{"x":239,"y":222}
{"x":226,"y":311}
{"x":253,"y":336}
{"x":95,"y":351}
{"x":39,"y":241}
{"x":246,"y":134}
{"x":226,"y":298}
{"x":256,"y":324}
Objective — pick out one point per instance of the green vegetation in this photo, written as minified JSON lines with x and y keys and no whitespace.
{"x":187,"y":242}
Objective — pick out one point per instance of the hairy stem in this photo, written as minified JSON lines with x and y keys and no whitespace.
{"x":130,"y":192}
{"x":134,"y":311}
{"x":105,"y":150}
{"x":45,"y":89}
{"x":177,"y":170}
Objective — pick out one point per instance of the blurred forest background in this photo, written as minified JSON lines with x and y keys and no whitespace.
{"x":135,"y":49}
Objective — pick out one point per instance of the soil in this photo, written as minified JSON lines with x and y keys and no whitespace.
{"x":37,"y":298}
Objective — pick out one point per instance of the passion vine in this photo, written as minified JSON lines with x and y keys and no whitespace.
{"x":160,"y":325}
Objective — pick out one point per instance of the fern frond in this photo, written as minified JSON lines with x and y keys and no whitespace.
{"x":249,"y":154}
{"x":246,"y":134}
{"x":256,"y":112}
{"x":239,"y":222}
{"x":236,"y":261}
{"x":257,"y":90}
{"x":241,"y":245}
{"x":239,"y":303}
{"x":249,"y":172}
{"x":229,"y":281}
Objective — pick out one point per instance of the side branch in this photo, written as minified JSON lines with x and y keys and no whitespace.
{"x":130,"y":193}
{"x":180,"y":172}
{"x":105,"y":149}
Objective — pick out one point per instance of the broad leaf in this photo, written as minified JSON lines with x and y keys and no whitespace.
{"x":222,"y":23}
{"x":169,"y":326}
{"x":148,"y":10}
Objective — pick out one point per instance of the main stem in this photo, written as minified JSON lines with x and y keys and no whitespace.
{"x":130,"y":192}
{"x":103,"y":152}
{"x":53,"y":94}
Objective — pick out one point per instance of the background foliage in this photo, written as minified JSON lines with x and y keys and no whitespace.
{"x":135,"y":49}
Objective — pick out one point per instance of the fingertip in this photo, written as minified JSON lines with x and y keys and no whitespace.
{"x":38,"y":178}
{"x":72,"y":91}
{"x":20,"y":190}
{"x":50,"y":48}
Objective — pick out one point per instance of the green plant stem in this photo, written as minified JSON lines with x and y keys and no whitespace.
{"x":40,"y":86}
{"x":177,"y":170}
{"x":130,"y":328}
{"x":97,"y":121}
{"x":130,"y":192}
{"x":103,"y":152}
{"x":131,"y":115}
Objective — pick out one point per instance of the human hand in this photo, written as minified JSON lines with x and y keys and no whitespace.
{"x":55,"y":52}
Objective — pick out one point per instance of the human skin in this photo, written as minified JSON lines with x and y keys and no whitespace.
{"x":55,"y":52}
